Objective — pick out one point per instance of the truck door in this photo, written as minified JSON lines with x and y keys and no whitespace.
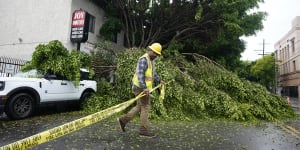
{"x":55,"y":88}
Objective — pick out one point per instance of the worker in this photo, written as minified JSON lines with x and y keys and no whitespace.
{"x":142,"y":81}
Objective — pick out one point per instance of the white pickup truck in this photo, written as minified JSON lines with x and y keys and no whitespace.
{"x":21,"y":94}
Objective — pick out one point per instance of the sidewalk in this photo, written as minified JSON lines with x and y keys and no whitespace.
{"x":295,"y":103}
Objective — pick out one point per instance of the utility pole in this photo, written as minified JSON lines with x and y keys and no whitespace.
{"x":263,"y":54}
{"x":263,"y":50}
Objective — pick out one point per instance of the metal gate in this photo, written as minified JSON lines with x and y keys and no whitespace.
{"x":9,"y":66}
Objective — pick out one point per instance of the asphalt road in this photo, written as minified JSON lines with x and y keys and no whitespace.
{"x":170,"y":134}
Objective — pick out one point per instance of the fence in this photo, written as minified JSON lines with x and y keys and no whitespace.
{"x":9,"y":66}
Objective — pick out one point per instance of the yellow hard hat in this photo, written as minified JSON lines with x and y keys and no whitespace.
{"x":156,"y":47}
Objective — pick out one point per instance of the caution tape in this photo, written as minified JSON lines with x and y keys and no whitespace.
{"x":72,"y":126}
{"x":294,"y":132}
{"x":162,"y":93}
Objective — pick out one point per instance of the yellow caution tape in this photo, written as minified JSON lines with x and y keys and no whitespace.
{"x":294,"y":132}
{"x":162,"y":92}
{"x":72,"y":126}
{"x":286,"y":129}
{"x":292,"y":129}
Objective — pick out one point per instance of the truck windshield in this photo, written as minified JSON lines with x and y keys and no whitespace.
{"x":29,"y":74}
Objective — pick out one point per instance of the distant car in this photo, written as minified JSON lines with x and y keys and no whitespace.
{"x":21,"y":94}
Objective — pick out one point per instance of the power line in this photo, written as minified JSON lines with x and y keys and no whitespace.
{"x":263,"y":50}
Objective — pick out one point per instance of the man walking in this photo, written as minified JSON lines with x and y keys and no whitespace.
{"x":142,"y":82}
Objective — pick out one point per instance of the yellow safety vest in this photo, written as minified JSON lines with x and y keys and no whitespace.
{"x":148,"y":73}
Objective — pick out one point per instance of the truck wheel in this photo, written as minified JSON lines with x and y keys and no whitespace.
{"x":84,"y":96}
{"x":20,"y":106}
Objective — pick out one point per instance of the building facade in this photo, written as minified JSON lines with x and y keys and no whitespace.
{"x":287,"y":54}
{"x":25,"y":24}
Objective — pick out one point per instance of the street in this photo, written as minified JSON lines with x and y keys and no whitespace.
{"x":202,"y":134}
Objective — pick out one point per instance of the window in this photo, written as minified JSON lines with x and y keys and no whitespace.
{"x":282,"y":54}
{"x":281,"y":69}
{"x":285,"y":68}
{"x":91,"y":23}
{"x":287,"y":53}
{"x":288,"y":67}
{"x":294,"y":65}
{"x":293,"y":45}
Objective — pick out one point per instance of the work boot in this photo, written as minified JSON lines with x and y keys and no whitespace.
{"x":121,"y":124}
{"x":147,"y":135}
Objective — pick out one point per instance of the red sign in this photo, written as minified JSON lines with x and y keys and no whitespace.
{"x":80,"y":26}
{"x":78,"y":18}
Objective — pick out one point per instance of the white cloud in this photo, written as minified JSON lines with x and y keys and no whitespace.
{"x":278,"y":23}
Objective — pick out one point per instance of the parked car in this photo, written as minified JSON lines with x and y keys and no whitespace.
{"x":21,"y":94}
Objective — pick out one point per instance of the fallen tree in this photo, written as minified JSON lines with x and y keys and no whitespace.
{"x":201,"y":89}
{"x":54,"y":57}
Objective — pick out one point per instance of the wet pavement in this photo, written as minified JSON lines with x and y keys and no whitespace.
{"x":295,"y":103}
{"x":208,"y":135}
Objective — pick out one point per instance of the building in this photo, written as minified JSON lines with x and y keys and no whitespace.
{"x":287,"y":54}
{"x":25,"y":24}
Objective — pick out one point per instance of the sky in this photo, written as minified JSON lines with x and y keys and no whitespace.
{"x":278,"y":23}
